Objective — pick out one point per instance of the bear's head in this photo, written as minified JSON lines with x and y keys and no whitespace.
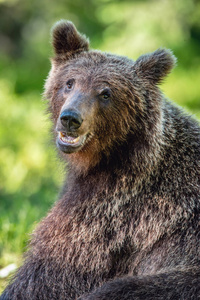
{"x":101,"y":101}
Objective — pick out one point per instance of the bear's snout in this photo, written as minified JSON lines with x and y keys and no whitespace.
{"x":71,"y":120}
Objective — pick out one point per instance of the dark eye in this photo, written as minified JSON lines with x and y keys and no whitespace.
{"x":105,"y":95}
{"x":69,"y":84}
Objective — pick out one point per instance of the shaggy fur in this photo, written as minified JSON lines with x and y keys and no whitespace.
{"x":126,"y":225}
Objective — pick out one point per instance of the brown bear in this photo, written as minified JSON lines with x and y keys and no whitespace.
{"x":127,"y":223}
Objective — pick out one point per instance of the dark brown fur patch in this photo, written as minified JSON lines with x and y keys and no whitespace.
{"x":67,"y":41}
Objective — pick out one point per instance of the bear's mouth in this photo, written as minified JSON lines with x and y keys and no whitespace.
{"x":69,"y":140}
{"x":68,"y":143}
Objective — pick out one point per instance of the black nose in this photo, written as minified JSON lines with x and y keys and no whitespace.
{"x":71,"y":120}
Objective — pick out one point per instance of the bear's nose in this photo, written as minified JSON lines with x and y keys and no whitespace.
{"x":71,"y":120}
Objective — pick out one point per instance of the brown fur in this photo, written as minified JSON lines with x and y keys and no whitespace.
{"x":127,"y":222}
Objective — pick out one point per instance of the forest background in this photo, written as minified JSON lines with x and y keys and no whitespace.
{"x":30,"y":173}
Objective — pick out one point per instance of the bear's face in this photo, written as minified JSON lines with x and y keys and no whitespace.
{"x":91,"y":100}
{"x":98,"y":99}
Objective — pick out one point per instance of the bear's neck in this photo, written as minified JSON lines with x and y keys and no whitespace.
{"x":135,"y":159}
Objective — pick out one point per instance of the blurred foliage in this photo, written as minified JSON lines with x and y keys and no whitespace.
{"x":30,"y":174}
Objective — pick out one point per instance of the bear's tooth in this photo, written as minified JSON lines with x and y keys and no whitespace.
{"x":68,"y":139}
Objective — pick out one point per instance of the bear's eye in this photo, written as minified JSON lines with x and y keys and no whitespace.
{"x":105,"y":95}
{"x":69,"y":84}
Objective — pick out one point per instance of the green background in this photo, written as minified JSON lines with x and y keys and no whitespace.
{"x":30,"y":173}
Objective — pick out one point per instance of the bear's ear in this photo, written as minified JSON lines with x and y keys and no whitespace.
{"x":155,"y":66}
{"x":67,"y":40}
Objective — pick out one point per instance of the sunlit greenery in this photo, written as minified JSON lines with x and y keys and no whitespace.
{"x":30,"y":173}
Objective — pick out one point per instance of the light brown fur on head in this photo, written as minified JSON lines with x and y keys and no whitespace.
{"x":107,"y":123}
